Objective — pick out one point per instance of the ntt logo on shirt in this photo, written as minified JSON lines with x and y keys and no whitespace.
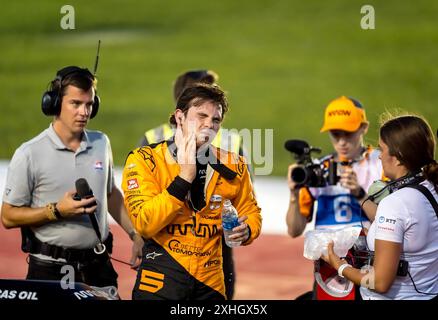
{"x":387,"y":220}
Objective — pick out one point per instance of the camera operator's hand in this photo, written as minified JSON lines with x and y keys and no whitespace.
{"x":349,"y":180}
{"x":186,"y":154}
{"x":291,"y":184}
{"x":296,"y":222}
{"x":68,"y":207}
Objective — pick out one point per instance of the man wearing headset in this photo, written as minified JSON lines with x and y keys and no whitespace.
{"x":39,"y":192}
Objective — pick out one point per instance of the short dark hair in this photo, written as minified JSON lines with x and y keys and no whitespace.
{"x":189,"y":78}
{"x":74,"y":76}
{"x":410,"y":139}
{"x":198,"y":94}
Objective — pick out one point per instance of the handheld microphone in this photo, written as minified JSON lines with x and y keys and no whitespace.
{"x":84,"y":192}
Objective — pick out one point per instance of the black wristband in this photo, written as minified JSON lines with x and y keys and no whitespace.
{"x":249,"y":235}
{"x":361,"y":194}
{"x":56,"y":211}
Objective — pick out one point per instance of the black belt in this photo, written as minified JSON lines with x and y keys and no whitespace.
{"x":70,"y":255}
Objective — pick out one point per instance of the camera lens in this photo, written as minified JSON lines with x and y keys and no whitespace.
{"x":299,"y":175}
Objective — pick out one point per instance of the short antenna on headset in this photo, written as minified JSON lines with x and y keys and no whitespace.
{"x":97,"y":59}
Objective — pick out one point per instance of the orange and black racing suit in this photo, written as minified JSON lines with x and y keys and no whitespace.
{"x":182,"y":256}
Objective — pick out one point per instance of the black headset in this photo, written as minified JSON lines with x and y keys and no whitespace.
{"x":409,"y":179}
{"x":51,"y":101}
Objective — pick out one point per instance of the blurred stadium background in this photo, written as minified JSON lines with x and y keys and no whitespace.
{"x":281,"y":62}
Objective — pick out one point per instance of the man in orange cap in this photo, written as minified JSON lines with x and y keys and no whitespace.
{"x":338,"y":206}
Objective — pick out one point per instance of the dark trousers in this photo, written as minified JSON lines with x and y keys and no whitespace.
{"x":98,"y":272}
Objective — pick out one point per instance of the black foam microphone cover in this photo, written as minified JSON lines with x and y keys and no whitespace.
{"x":296,"y":146}
{"x":84,"y":191}
{"x":83,"y":188}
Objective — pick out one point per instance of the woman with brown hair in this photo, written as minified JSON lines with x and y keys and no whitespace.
{"x":404,"y":235}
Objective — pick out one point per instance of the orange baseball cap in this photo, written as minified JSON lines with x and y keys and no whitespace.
{"x":344,"y":114}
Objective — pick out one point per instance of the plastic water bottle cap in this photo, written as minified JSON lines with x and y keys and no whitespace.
{"x":216,"y":198}
{"x":227,"y":202}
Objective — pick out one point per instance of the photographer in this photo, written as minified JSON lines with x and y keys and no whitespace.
{"x":358,"y":166}
{"x":404,"y":234}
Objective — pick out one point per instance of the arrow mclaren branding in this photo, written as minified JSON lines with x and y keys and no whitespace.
{"x":204,"y":230}
{"x":339,"y":113}
{"x":189,"y":250}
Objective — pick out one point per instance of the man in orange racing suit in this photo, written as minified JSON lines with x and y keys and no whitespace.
{"x":168,"y":187}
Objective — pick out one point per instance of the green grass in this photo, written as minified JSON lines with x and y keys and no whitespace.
{"x":280,"y":61}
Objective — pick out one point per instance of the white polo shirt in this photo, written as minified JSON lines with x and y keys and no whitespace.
{"x":407,"y":217}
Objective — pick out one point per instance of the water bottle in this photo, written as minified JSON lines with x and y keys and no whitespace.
{"x":360,"y":251}
{"x":229,"y":221}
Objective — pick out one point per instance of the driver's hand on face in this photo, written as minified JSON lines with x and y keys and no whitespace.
{"x":186,"y":153}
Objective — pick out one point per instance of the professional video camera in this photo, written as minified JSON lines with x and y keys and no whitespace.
{"x":311,"y":172}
